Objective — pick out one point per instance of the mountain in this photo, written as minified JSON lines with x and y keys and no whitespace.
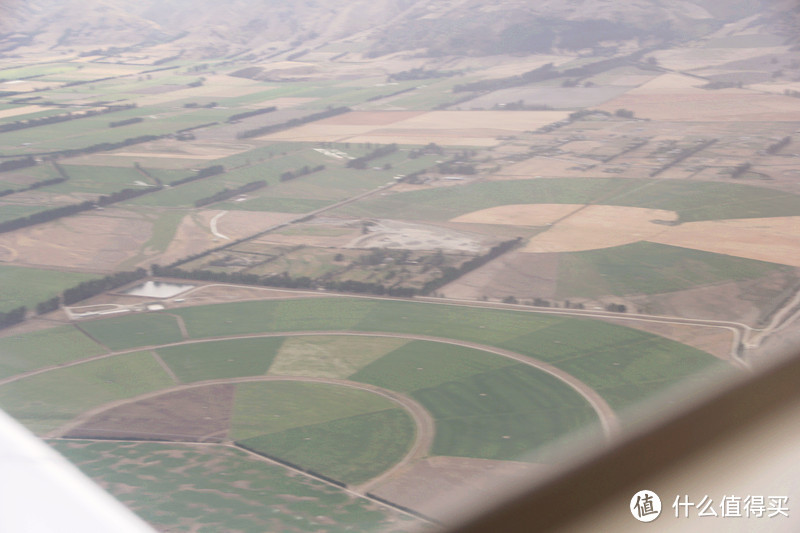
{"x":377,"y":27}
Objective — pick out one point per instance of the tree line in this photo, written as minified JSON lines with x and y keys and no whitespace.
{"x":72,"y":209}
{"x":206,"y":172}
{"x":361,"y":162}
{"x":226,"y":193}
{"x":54,"y":119}
{"x":778,"y":146}
{"x":293,"y":123}
{"x":292,"y":174}
{"x":118,"y":123}
{"x":450,"y":274}
{"x":16,"y":164}
{"x":246,"y":114}
{"x":15,"y":316}
{"x":87,"y":289}
{"x":72,"y":295}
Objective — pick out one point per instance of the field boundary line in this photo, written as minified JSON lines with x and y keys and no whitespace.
{"x":166,"y":368}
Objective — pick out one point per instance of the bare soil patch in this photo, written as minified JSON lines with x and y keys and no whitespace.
{"x":408,"y":236}
{"x":776,"y":240}
{"x":200,"y":414}
{"x":367,"y":118}
{"x":194,"y":232}
{"x":459,"y":128}
{"x":574,"y":227}
{"x":96,"y":241}
{"x":715,"y":341}
{"x":22,"y":110}
{"x":434,"y":486}
{"x":694,"y":58}
{"x":562,"y":166}
{"x":744,"y":301}
{"x":519,"y":274}
{"x":709,"y":106}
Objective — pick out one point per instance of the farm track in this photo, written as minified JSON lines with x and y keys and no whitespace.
{"x":607,"y":416}
{"x":426,"y":427}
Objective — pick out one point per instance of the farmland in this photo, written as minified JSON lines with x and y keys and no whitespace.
{"x":408,"y":269}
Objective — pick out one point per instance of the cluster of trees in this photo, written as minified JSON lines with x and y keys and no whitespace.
{"x":740,"y":169}
{"x":456,"y":167}
{"x":226,"y":193}
{"x":90,"y":288}
{"x":254,"y":112}
{"x":451,"y":273}
{"x":617,"y":308}
{"x":206,"y":172}
{"x":713,"y":85}
{"x":124,"y":194}
{"x":292,"y":174}
{"x":685,"y":154}
{"x":194,"y":105}
{"x":15,"y":316}
{"x":780,"y":145}
{"x":293,"y":123}
{"x":118,"y":123}
{"x":624,"y":113}
{"x":48,"y":305}
{"x":283,"y":280}
{"x":54,"y":119}
{"x":361,"y":162}
{"x":430,"y":148}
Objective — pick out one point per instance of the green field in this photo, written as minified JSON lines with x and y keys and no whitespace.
{"x":222,"y":485}
{"x":423,"y":364}
{"x":273,"y":407}
{"x":330,"y":356}
{"x":38,"y":349}
{"x":222,"y":359}
{"x":29,"y":286}
{"x":593,"y":351}
{"x":650,"y":268}
{"x":693,"y":201}
{"x":122,"y":333}
{"x":505,"y":413}
{"x":100,"y":180}
{"x":351,"y":450}
{"x":44,"y":402}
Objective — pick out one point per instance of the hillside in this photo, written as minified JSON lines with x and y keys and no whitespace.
{"x":206,"y":28}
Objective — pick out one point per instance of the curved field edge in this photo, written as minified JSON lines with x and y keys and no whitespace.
{"x":651,"y":268}
{"x":693,"y":201}
{"x":625,"y":365}
{"x":228,"y":485}
{"x":351,"y":450}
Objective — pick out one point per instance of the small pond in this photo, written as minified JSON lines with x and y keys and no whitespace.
{"x":158,"y":289}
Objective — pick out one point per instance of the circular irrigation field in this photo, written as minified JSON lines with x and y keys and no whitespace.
{"x":354,"y":391}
